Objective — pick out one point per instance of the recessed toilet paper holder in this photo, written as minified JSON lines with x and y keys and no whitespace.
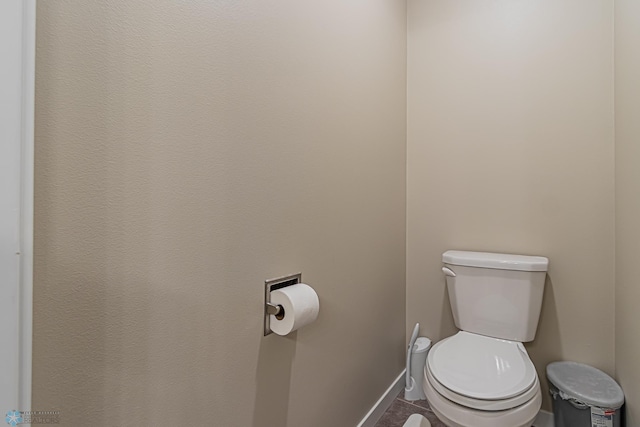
{"x":273,"y":309}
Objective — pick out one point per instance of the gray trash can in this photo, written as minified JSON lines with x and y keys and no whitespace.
{"x":584,"y":396}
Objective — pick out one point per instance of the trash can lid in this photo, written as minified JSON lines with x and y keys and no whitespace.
{"x":586,"y":384}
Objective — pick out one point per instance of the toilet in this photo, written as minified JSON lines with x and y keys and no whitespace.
{"x":482,"y":376}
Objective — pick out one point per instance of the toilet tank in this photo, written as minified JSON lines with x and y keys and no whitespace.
{"x":497,"y":295}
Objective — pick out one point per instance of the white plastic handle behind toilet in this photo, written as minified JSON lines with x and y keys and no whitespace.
{"x":412,"y":341}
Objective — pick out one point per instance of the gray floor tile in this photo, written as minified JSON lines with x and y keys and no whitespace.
{"x":420,"y":403}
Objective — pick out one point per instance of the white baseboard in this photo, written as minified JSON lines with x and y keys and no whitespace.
{"x":544,"y":419}
{"x":384,"y":402}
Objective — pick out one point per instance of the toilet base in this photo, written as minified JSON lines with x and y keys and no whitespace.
{"x":454,"y":415}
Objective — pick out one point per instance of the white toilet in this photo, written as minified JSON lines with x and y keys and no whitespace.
{"x":482,"y":376}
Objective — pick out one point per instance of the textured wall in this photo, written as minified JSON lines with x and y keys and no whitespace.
{"x":186,"y":152}
{"x":510,"y":149}
{"x":627,"y":95}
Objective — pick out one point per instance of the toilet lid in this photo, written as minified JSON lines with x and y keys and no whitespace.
{"x":482,"y":367}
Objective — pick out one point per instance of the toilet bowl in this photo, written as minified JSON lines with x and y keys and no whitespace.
{"x":475,"y":381}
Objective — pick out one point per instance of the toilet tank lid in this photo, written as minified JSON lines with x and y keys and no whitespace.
{"x":496,"y":261}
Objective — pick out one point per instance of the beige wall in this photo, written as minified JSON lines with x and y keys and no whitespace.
{"x":627,"y":95}
{"x":186,"y":152}
{"x":510,"y":149}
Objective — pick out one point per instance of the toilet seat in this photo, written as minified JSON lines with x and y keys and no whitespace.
{"x":476,"y":370}
{"x":455,"y":415}
{"x":481,"y":404}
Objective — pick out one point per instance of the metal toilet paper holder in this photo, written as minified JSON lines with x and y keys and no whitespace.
{"x":273,"y":309}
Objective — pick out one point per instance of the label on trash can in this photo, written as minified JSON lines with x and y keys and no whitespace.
{"x":602,"y":417}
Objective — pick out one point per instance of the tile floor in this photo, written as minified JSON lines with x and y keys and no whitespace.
{"x":401,"y":409}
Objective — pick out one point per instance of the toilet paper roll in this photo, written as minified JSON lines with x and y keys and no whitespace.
{"x":301,"y":306}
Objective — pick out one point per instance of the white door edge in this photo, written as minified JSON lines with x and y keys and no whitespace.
{"x":27,"y":195}
{"x":17,"y":87}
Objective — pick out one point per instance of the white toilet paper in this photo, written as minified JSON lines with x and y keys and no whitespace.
{"x":301,"y":306}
